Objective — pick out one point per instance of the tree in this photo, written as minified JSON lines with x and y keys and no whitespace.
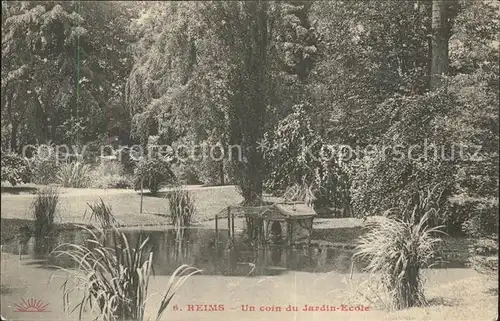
{"x":454,"y":119}
{"x":368,"y":51}
{"x":440,"y":38}
{"x":474,"y":66}
{"x":251,"y":97}
{"x":297,"y":53}
{"x":35,"y":36}
{"x":297,"y":156}
{"x":58,"y":79}
{"x":109,"y":59}
{"x":212,"y":62}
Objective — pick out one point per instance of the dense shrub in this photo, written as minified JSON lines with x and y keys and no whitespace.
{"x":113,"y":181}
{"x":385,"y":179}
{"x":296,"y":155}
{"x":94,"y":149}
{"x":210,"y":166}
{"x":15,"y":169}
{"x":45,"y":166}
{"x":482,"y":228}
{"x":5,"y":135}
{"x":210,"y":172}
{"x":126,"y":160}
{"x":110,"y":175}
{"x":154,"y":173}
{"x":187,"y":173}
{"x":213,"y":173}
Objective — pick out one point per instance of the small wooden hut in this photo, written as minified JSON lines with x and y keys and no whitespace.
{"x":279,"y":223}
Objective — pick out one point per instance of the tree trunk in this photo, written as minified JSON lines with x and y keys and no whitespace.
{"x":255,"y":192}
{"x":221,"y":172}
{"x":13,"y":138}
{"x":440,"y":37}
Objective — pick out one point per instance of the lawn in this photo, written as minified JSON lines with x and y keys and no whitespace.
{"x":125,"y":204}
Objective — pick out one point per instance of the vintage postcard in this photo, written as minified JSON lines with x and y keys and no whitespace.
{"x":249,"y":160}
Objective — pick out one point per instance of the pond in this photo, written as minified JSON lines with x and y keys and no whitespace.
{"x":214,"y":253}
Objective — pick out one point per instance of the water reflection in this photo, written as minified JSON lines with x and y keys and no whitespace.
{"x":276,"y":256}
{"x":43,"y":245}
{"x":214,"y":253}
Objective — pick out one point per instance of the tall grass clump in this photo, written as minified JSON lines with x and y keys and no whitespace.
{"x":182,"y":207}
{"x":102,"y":213}
{"x":397,"y":249}
{"x":114,"y":278}
{"x":44,"y":209}
{"x":75,"y":174}
{"x":177,"y":279}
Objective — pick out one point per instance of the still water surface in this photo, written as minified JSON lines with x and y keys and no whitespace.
{"x":212,"y":252}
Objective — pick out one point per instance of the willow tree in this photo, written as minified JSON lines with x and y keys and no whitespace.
{"x":212,"y":62}
{"x":64,"y":66}
{"x":38,"y":42}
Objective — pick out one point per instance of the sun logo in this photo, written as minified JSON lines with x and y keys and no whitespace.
{"x":31,"y":305}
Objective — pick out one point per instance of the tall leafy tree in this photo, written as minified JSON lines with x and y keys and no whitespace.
{"x":213,"y":62}
{"x":445,"y":121}
{"x":38,"y":43}
{"x":63,"y":69}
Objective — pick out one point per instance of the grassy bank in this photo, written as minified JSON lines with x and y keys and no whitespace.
{"x":124,"y":203}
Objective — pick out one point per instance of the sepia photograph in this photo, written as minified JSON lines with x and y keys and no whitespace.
{"x":250,"y":160}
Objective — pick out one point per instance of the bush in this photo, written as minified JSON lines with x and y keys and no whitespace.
{"x":110,"y":175}
{"x":182,"y":207}
{"x":115,"y":279}
{"x":128,"y":163}
{"x":45,"y":166}
{"x":435,"y":122}
{"x":44,"y":208}
{"x":299,"y":193}
{"x":5,"y":134}
{"x":484,"y":255}
{"x":210,"y":172}
{"x":15,"y":169}
{"x":76,"y":175}
{"x":298,"y":155}
{"x":482,"y":229}
{"x":155,"y":173}
{"x":187,"y":173}
{"x":190,"y":176}
{"x":113,"y":181}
